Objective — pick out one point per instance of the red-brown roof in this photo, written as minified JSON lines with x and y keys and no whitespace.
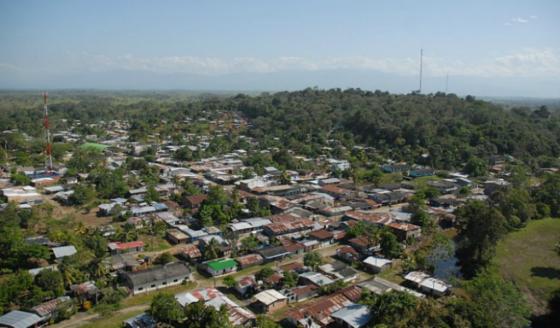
{"x":196,"y":200}
{"x":128,"y":245}
{"x":250,"y":259}
{"x":321,"y":234}
{"x":291,"y":266}
{"x":322,"y":308}
{"x":346,"y":250}
{"x":191,"y":250}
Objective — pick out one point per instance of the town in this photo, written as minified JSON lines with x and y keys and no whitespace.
{"x":157,"y":222}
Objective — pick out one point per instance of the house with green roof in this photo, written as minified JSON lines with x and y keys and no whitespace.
{"x":93,"y":146}
{"x":220,"y":266}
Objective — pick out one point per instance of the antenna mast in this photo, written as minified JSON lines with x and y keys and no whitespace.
{"x":446,"y":82}
{"x":48,"y":147}
{"x":421,"y":58}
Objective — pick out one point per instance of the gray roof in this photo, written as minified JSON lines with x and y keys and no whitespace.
{"x":162,"y":272}
{"x":63,"y":251}
{"x":143,"y":320}
{"x":355,"y":315}
{"x":19,"y":319}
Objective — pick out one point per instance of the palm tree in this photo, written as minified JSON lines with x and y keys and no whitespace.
{"x":212,"y":249}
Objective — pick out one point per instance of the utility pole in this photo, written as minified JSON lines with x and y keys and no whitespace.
{"x":421,"y":58}
{"x":446,"y":82}
{"x":48,"y":147}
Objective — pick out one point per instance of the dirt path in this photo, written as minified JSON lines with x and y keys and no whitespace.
{"x":81,"y":319}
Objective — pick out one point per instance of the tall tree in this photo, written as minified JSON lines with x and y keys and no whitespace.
{"x":480,"y":227}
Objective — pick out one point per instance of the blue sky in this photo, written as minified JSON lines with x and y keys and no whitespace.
{"x":486,"y":47}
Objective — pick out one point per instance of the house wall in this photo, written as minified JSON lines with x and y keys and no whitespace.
{"x":155,"y":285}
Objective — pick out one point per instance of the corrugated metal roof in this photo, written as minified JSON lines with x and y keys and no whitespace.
{"x":19,"y":319}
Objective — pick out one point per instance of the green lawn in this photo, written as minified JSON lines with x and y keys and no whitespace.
{"x":528,"y":258}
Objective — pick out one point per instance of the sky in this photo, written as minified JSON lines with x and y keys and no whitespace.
{"x":486,"y":48}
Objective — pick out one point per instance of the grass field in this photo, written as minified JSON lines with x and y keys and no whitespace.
{"x":113,"y":321}
{"x":527,"y":257}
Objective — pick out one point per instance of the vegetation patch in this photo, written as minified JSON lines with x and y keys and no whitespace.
{"x":528,"y":257}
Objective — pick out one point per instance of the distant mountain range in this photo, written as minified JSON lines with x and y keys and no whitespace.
{"x":287,"y":80}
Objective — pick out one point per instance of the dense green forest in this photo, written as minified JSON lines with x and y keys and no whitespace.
{"x":441,"y":130}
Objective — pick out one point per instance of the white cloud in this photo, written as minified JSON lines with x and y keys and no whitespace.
{"x":525,"y":63}
{"x":520,"y":20}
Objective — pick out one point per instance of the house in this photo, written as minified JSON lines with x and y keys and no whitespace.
{"x":315,"y":278}
{"x":434,"y":286}
{"x":339,"y":271}
{"x":405,"y":231}
{"x":195,"y":201}
{"x":137,"y":222}
{"x":365,"y":246}
{"x":220,"y":266}
{"x":318,"y":313}
{"x":377,"y":219}
{"x":416,"y":277}
{"x":191,"y":253}
{"x":301,"y":293}
{"x":273,"y":253}
{"x":274,"y":281}
{"x":293,"y":267}
{"x":125,"y":262}
{"x":48,"y":309}
{"x":128,"y":247}
{"x":421,"y":172}
{"x":246,"y":286}
{"x":225,"y":248}
{"x":21,"y":319}
{"x":287,"y":224}
{"x":248,"y":226}
{"x":160,"y":276}
{"x":142,"y":320}
{"x":323,"y":236}
{"x":377,"y":264}
{"x":334,"y":211}
{"x":381,"y":286}
{"x":85,"y":292}
{"x":237,"y":315}
{"x":389,"y":197}
{"x":426,"y":283}
{"x":63,"y":251}
{"x":175,"y":236}
{"x":347,"y":254}
{"x":339,"y":164}
{"x":249,"y":260}
{"x":352,"y":316}
{"x":22,"y":195}
{"x":269,"y":301}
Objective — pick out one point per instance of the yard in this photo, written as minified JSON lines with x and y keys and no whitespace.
{"x":529,"y":259}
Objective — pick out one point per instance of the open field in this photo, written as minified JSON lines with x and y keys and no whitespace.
{"x":527,"y":257}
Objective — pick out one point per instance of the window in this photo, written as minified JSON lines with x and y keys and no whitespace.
{"x":141,"y":288}
{"x":164,"y":283}
{"x":174,"y":280}
{"x":153,"y":286}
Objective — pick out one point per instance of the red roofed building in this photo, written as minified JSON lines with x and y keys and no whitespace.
{"x":319,"y":311}
{"x":288,"y":226}
{"x":379,"y":219}
{"x":132,"y":246}
{"x":347,"y":254}
{"x":193,"y":202}
{"x":191,"y":253}
{"x":249,"y":260}
{"x":323,"y":236}
{"x":403,"y":231}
